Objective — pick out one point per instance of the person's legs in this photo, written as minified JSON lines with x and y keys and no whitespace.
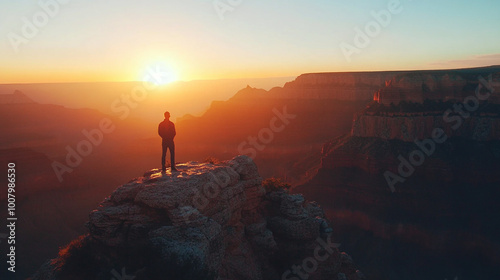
{"x":172,"y":155}
{"x":163,"y":154}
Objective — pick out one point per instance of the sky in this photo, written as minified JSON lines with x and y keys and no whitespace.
{"x":120,"y":40}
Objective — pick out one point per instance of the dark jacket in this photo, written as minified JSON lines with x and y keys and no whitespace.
{"x":166,"y":130}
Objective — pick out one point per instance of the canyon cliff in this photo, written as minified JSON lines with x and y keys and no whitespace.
{"x":208,"y":221}
{"x":463,"y":103}
{"x":410,"y":126}
{"x":351,"y":86}
{"x":444,"y":85}
{"x":419,"y":178}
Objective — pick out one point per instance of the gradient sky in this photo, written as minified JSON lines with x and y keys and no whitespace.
{"x":117,"y":40}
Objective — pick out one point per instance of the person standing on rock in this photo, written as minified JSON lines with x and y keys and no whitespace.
{"x":166,"y":130}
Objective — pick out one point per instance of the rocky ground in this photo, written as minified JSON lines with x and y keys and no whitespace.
{"x":207,"y":221}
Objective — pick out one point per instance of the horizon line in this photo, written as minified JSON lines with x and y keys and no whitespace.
{"x":242,"y":78}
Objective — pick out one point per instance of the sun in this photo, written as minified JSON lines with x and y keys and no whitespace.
{"x":159,"y":74}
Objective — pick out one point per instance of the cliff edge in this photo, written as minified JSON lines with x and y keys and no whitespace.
{"x":208,"y":221}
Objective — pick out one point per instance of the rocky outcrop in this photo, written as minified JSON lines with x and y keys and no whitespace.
{"x":208,"y":221}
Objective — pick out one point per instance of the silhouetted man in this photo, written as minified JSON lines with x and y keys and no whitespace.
{"x":166,"y":130}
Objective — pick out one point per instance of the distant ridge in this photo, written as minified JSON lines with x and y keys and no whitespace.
{"x":15,"y":98}
{"x":361,"y":86}
{"x":466,"y":69}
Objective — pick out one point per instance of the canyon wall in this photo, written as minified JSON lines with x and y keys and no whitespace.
{"x":455,"y":85}
{"x":390,"y":86}
{"x":409,"y":127}
{"x":352,"y":86}
{"x":463,"y":103}
{"x":412,"y":204}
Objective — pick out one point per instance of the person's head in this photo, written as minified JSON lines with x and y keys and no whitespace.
{"x":167,"y":115}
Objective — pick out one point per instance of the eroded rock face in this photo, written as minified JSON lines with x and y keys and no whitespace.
{"x":461,"y":103}
{"x":410,"y":127}
{"x":341,"y":86}
{"x":216,"y":218}
{"x":451,"y":188}
{"x":450,"y":185}
{"x":438,"y":85}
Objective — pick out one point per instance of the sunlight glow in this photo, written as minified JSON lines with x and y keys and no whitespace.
{"x":159,"y":74}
